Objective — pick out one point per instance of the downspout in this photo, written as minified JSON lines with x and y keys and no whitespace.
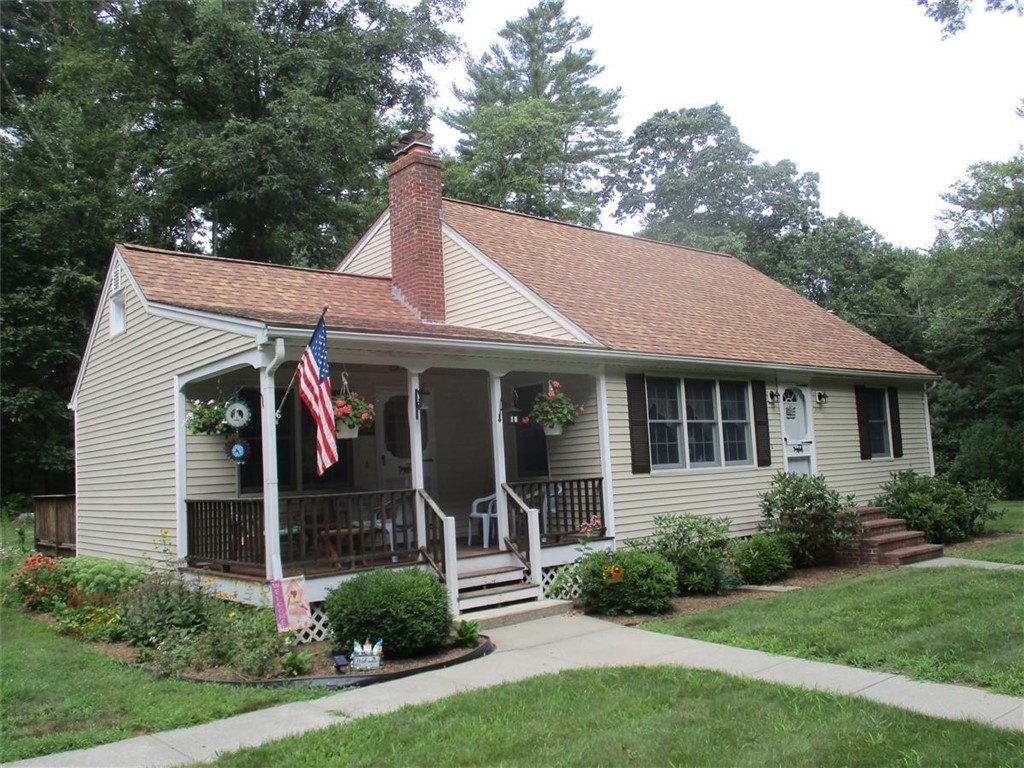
{"x":268,"y":429}
{"x":604,"y":438}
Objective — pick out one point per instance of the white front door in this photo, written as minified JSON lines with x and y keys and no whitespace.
{"x":393,"y":446}
{"x":797,"y":429}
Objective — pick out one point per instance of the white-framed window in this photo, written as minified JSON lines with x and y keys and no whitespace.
{"x":876,"y":422}
{"x":118,"y":319}
{"x":711,"y":418}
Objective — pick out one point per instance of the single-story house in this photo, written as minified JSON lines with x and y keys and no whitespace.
{"x":699,"y":377}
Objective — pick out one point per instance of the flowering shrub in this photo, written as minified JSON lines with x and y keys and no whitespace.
{"x":206,"y":417}
{"x":41,"y":584}
{"x":626,"y":582}
{"x":553,"y":407}
{"x":91,"y":623}
{"x":100,"y":580}
{"x":352,"y":410}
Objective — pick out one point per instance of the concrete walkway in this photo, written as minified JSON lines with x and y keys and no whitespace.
{"x":533,"y":648}
{"x":536,"y":647}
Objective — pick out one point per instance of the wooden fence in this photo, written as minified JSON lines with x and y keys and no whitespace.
{"x":55,"y":524}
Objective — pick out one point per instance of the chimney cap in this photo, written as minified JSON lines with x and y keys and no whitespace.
{"x":412,"y":140}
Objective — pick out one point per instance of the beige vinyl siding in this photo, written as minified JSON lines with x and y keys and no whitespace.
{"x":126,"y":410}
{"x":730,"y":492}
{"x":577,"y":451}
{"x":374,"y":259}
{"x":209,"y":474}
{"x":478,"y":297}
{"x":838,"y":447}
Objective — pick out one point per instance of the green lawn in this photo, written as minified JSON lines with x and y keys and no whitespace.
{"x":952,"y":625}
{"x":1006,"y":551}
{"x":655,"y":716}
{"x":1013,"y":520}
{"x":58,"y":694}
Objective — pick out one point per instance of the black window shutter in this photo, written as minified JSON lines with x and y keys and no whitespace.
{"x":761,"y":434}
{"x":860,"y":393}
{"x":894,"y":422}
{"x":639,"y":436}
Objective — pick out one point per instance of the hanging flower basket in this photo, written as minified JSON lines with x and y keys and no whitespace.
{"x":207,"y":417}
{"x":344,"y":432}
{"x":351,"y":412}
{"x":553,"y":409}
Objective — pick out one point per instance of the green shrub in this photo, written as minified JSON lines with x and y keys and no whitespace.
{"x":696,"y":547}
{"x":102,"y":580}
{"x":407,"y":608}
{"x":14,"y":504}
{"x":297,"y":663}
{"x":41,"y":583}
{"x":944,"y":511}
{"x":626,"y":582}
{"x":164,"y":606}
{"x":258,"y":648}
{"x":91,"y":623}
{"x":814,"y":520}
{"x":761,"y":559}
{"x":467,"y":633}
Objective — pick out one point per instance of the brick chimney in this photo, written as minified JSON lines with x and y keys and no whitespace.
{"x":414,"y":197}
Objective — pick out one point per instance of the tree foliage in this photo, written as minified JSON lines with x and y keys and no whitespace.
{"x":257,"y":127}
{"x":538,"y":136}
{"x":952,"y":14}
{"x":692,"y":180}
{"x":973,"y":289}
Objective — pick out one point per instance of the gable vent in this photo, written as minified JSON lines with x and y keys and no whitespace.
{"x":117,"y":279}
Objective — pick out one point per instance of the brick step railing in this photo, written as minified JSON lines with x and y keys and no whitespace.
{"x":886,"y":540}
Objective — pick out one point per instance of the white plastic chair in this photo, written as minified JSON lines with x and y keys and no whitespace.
{"x":484,"y":509}
{"x":396,"y":516}
{"x":550,"y":503}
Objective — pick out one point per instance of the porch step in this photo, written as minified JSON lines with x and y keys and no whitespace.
{"x":887,"y":542}
{"x":489,"y":597}
{"x":518,"y":613}
{"x":871,"y":513}
{"x":490,"y":577}
{"x":878,"y":526}
{"x":912,"y":554}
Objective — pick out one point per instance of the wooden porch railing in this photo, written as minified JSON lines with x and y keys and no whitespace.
{"x":319,"y":532}
{"x":226,"y":534}
{"x":523,"y":538}
{"x":564,"y":505}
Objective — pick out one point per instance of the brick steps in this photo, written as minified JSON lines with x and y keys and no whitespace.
{"x":887,"y":541}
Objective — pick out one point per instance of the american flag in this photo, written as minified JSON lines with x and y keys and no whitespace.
{"x":315,"y":390}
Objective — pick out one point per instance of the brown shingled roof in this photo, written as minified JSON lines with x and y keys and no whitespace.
{"x":287,"y":296}
{"x":643,"y":296}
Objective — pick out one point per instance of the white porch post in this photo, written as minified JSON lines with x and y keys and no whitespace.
{"x":180,"y":468}
{"x":268,"y":431}
{"x":498,"y":451}
{"x":416,"y":454}
{"x":604,"y":438}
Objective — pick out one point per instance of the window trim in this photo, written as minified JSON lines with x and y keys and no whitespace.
{"x":683,"y":423}
{"x":893,"y":432}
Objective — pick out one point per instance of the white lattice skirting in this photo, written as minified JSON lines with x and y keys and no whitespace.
{"x":319,"y":631}
{"x":548,"y":576}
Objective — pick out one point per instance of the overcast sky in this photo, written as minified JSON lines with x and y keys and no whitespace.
{"x":864,"y":92}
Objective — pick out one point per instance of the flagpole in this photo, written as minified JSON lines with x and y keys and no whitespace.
{"x":280,"y":405}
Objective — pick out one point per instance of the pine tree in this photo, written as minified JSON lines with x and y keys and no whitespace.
{"x":538,"y":136}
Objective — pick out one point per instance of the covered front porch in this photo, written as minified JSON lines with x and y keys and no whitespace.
{"x":447,"y":477}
